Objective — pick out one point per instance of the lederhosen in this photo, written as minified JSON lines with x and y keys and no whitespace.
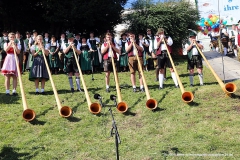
{"x":61,"y":54}
{"x":162,"y":57}
{"x":214,"y":41}
{"x":69,"y":60}
{"x":107,"y":61}
{"x":193,"y":59}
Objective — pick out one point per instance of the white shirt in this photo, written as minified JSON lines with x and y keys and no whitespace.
{"x":194,"y":49}
{"x":24,"y":49}
{"x":33,"y":47}
{"x":134,"y":53}
{"x":109,"y":49}
{"x":64,"y":46}
{"x":163,"y":46}
{"x":5,"y":46}
{"x":232,"y":33}
{"x":89,"y":44}
{"x":144,"y":40}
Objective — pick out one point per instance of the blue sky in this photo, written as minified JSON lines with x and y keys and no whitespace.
{"x":129,"y":2}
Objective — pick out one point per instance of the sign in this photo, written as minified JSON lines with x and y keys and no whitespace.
{"x":227,"y":9}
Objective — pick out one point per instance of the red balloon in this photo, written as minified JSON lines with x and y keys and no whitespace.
{"x":210,"y":16}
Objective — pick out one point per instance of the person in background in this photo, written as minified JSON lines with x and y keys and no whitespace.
{"x":145,"y":45}
{"x":3,"y":39}
{"x":53,"y":56}
{"x":123,"y":58}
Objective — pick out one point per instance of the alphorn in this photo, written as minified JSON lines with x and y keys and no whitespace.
{"x":186,"y":95}
{"x":122,"y":107}
{"x":151,"y":103}
{"x":28,"y":114}
{"x":228,"y":88}
{"x":94,"y":108}
{"x":64,"y":111}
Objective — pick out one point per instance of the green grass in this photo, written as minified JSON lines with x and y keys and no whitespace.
{"x":210,"y":125}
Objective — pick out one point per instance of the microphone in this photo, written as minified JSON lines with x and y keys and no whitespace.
{"x":97,"y":96}
{"x":113,"y":97}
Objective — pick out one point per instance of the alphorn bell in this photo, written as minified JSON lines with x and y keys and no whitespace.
{"x":28,"y":114}
{"x":151,"y":103}
{"x":64,"y":111}
{"x":187,"y":96}
{"x":94,"y":108}
{"x":122,"y":107}
{"x":228,"y":88}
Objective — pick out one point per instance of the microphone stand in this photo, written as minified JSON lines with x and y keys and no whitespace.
{"x":114,"y":130}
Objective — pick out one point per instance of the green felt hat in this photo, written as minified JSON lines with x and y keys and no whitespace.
{"x":70,"y":35}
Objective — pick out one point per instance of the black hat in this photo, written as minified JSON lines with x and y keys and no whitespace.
{"x":4,"y":31}
{"x":78,"y":34}
{"x":238,"y":21}
{"x":192,"y":34}
{"x":34,"y":31}
{"x":148,"y":29}
{"x":124,"y":34}
{"x":70,"y":35}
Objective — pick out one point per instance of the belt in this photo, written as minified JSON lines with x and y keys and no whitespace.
{"x":135,"y":56}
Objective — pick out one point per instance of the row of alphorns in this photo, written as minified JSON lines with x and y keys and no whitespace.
{"x":122,"y":107}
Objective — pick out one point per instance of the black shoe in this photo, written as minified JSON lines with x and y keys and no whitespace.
{"x":142,"y":90}
{"x":36,"y":93}
{"x":107,"y":90}
{"x":177,"y":86}
{"x":79,"y":90}
{"x":134,"y":90}
{"x":191,"y":85}
{"x":160,"y":88}
{"x":72,"y":90}
{"x":7,"y":94}
{"x":201,"y":84}
{"x":42,"y":93}
{"x":14,"y":94}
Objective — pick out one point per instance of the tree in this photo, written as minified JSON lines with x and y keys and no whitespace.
{"x":60,"y":15}
{"x":176,"y":17}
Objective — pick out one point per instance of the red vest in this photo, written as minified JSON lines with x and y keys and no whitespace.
{"x":130,"y":53}
{"x":10,"y":51}
{"x":158,"y":52}
{"x":105,"y":56}
{"x":238,"y":39}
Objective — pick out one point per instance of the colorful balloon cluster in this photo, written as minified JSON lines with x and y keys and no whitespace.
{"x":212,"y":22}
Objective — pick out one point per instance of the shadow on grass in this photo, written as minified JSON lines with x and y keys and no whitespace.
{"x":129,"y":113}
{"x":9,"y":99}
{"x":234,"y":96}
{"x":37,"y":122}
{"x":73,"y":119}
{"x":45,"y":112}
{"x":8,"y":153}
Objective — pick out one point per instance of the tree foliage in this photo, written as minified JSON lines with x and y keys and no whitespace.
{"x":176,"y":17}
{"x":58,"y":15}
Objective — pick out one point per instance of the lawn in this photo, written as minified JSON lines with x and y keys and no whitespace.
{"x":207,"y":128}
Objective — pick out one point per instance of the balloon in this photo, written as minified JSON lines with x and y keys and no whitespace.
{"x":210,"y":23}
{"x":225,"y":22}
{"x":213,"y":26}
{"x":201,"y":24}
{"x":210,"y":16}
{"x":214,"y":19}
{"x":209,"y":28}
{"x":202,"y":20}
{"x":206,"y":23}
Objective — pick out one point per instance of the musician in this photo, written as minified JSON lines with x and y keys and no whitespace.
{"x":38,"y":71}
{"x":145,"y":45}
{"x":26,"y":54}
{"x":132,"y":60}
{"x":194,"y":58}
{"x":162,"y":56}
{"x":108,"y":49}
{"x":3,"y":40}
{"x":61,"y":41}
{"x":237,"y":40}
{"x":9,"y":68}
{"x":93,"y":41}
{"x":70,"y":62}
{"x":53,"y":56}
{"x":224,"y":38}
{"x":123,"y":58}
{"x":20,"y":41}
